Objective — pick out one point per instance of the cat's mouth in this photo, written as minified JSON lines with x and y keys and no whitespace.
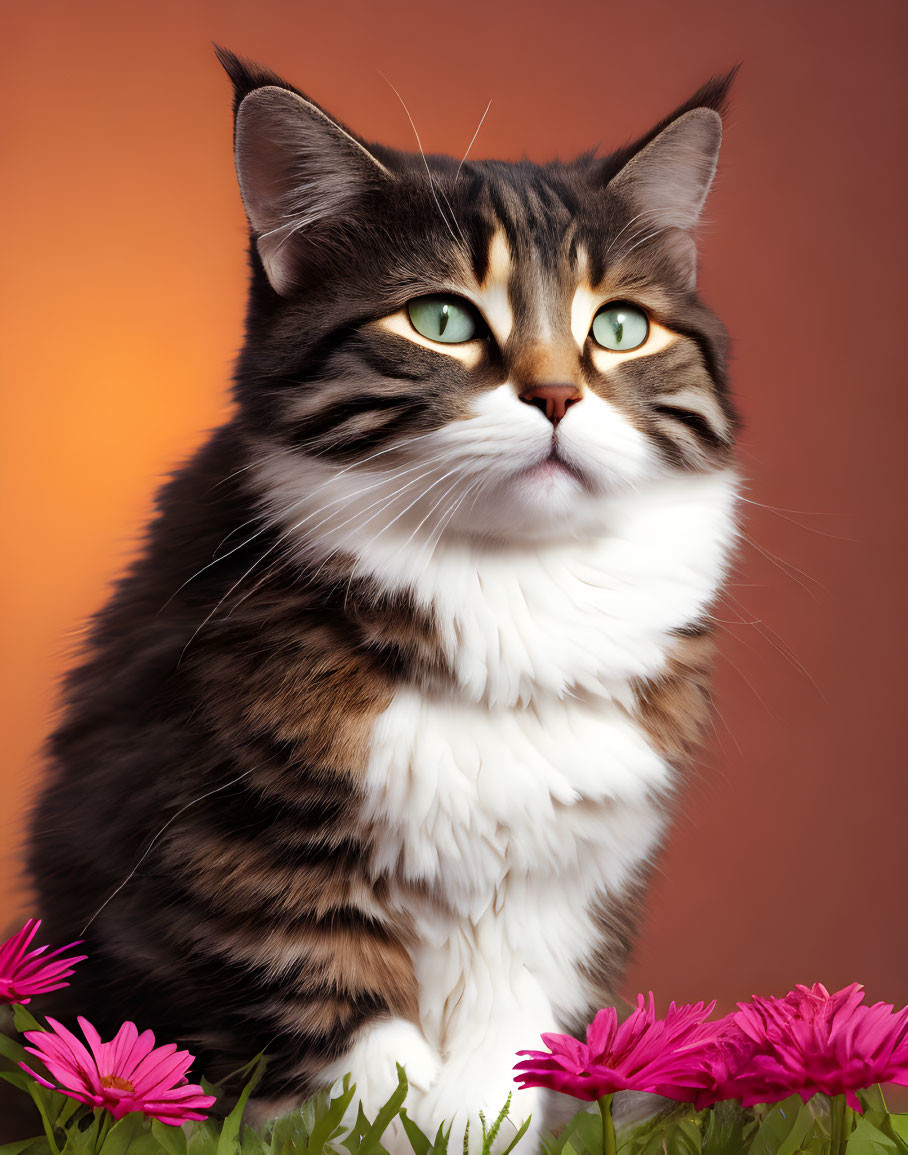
{"x":554,"y":467}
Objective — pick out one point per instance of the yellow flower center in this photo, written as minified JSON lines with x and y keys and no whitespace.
{"x":116,"y":1081}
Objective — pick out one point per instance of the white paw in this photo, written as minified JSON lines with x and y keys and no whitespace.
{"x":373,"y":1060}
{"x":460,"y":1095}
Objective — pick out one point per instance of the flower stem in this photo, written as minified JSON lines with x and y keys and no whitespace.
{"x":609,"y":1145}
{"x":49,"y":1132}
{"x":841,"y":1119}
{"x":105,"y":1123}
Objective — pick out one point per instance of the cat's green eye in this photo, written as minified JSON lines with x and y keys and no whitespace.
{"x":620,"y":327}
{"x":449,"y":320}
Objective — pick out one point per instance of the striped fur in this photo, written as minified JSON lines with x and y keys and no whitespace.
{"x":371,"y":752}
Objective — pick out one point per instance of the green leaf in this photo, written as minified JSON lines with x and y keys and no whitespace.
{"x":12,"y":1050}
{"x":172,"y":1139}
{"x":145,"y":1144}
{"x":119,"y":1138}
{"x":587,"y":1132}
{"x":18,"y":1079}
{"x":866,"y":1139}
{"x":370,"y":1144}
{"x":872,"y":1098}
{"x":40,"y":1098}
{"x":894,"y":1127}
{"x":584,"y":1130}
{"x":684,"y":1138}
{"x":489,"y":1136}
{"x":657,"y":1145}
{"x":330,"y":1116}
{"x":18,"y":1148}
{"x":233,"y":1076}
{"x":251,"y":1142}
{"x":68,"y":1108}
{"x":442,"y":1138}
{"x":282,"y":1133}
{"x":521,"y":1131}
{"x":204,"y":1138}
{"x":229,"y":1141}
{"x":25,"y":1020}
{"x":784,"y":1127}
{"x":420,"y":1143}
{"x":80,"y":1142}
{"x":724,"y":1129}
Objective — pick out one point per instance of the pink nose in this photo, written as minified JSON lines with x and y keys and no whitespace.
{"x":552,"y":400}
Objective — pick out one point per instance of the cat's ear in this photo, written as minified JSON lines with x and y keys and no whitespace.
{"x":300,"y":171}
{"x":664,"y":183}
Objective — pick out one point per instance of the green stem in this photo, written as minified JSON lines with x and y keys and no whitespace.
{"x":45,"y":1122}
{"x":49,"y":1132}
{"x":609,"y":1144}
{"x":105,"y":1123}
{"x":841,"y":1121}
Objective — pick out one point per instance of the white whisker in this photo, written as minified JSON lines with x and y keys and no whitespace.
{"x":151,"y":844}
{"x":472,"y":140}
{"x":432,"y":185}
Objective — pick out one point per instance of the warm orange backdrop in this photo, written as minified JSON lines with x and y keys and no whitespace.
{"x":123,"y":280}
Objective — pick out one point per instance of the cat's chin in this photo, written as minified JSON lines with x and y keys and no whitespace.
{"x":548,"y":500}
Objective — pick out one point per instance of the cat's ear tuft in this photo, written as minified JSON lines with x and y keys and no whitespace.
{"x":664,"y":181}
{"x":300,"y":171}
{"x":246,"y":75}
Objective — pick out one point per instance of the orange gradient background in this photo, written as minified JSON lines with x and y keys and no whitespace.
{"x":123,"y":281}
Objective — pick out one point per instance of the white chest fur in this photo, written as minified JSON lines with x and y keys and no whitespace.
{"x":469,"y":797}
{"x":529,"y":787}
{"x":514,"y":818}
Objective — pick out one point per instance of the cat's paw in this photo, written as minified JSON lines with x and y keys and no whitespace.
{"x":373,"y":1060}
{"x":463,"y":1093}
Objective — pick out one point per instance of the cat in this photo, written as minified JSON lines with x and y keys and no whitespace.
{"x":371,"y":752}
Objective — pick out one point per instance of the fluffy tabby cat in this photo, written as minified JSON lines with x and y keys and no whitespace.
{"x":372,"y":750}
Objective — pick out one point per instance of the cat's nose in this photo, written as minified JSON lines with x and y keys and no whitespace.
{"x":552,"y":400}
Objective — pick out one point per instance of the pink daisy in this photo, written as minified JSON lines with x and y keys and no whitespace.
{"x":25,"y":972}
{"x":807,"y":1042}
{"x":662,"y":1056}
{"x":127,"y":1074}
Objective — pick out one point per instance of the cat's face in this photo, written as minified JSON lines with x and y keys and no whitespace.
{"x":486,"y":349}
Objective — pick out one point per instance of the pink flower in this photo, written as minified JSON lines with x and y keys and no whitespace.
{"x":127,"y":1074}
{"x":663,"y":1056}
{"x":24,"y":972}
{"x":807,"y":1042}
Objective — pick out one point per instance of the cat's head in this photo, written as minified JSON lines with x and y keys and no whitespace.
{"x":480,"y":348}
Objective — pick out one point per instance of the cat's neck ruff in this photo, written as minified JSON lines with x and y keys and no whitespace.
{"x":520,"y":621}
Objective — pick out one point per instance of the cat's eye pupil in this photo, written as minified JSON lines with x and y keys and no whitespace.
{"x":620,"y":326}
{"x":447,"y":319}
